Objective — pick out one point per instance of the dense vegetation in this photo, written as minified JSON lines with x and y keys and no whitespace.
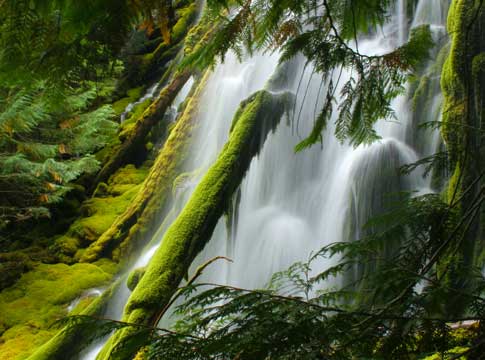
{"x":81,"y":191}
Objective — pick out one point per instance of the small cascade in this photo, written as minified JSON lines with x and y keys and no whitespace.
{"x":92,"y":293}
{"x":430,"y":12}
{"x":149,"y":94}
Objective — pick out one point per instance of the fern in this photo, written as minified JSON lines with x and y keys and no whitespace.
{"x":380,"y":314}
{"x":320,"y":30}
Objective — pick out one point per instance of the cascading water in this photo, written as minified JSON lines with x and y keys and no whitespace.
{"x":228,"y":86}
{"x":150,"y":93}
{"x":291,"y":204}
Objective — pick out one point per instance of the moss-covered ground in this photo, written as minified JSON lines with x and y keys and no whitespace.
{"x":43,"y":293}
{"x":109,"y":201}
{"x":30,"y":307}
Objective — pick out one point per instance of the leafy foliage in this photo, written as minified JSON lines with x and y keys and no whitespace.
{"x":68,"y":40}
{"x":321,"y":31}
{"x":53,"y":56}
{"x":43,"y":148}
{"x":394,"y":308}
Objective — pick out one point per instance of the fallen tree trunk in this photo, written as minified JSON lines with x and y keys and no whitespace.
{"x":143,"y":126}
{"x":186,"y":237}
{"x":137,"y":221}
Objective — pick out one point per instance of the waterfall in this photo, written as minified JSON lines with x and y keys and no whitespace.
{"x":229,"y":84}
{"x":291,"y":204}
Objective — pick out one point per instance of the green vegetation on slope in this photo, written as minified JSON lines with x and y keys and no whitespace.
{"x":40,"y":298}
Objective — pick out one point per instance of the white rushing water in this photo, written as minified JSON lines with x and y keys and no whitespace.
{"x":294,"y":203}
{"x":149,"y":94}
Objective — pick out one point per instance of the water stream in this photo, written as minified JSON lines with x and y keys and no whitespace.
{"x":293,"y":203}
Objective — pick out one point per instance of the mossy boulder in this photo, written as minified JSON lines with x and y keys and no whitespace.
{"x":98,"y":213}
{"x":131,"y":96}
{"x":37,"y":300}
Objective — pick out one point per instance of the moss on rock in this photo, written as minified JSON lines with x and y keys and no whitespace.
{"x":71,"y":339}
{"x":39,"y":299}
{"x":462,"y":83}
{"x":100,"y":212}
{"x":131,"y":96}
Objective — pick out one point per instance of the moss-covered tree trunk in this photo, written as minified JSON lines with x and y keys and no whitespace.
{"x":137,"y":221}
{"x":136,"y":138}
{"x":140,"y":220}
{"x":463,"y":81}
{"x":187,"y":236}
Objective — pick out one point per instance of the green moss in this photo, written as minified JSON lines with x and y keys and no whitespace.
{"x":120,"y":105}
{"x":102,"y":212}
{"x":462,"y":84}
{"x":450,"y":354}
{"x":146,"y":207}
{"x":454,"y":188}
{"x":128,"y":175}
{"x":132,"y":95}
{"x":459,"y":72}
{"x":109,"y":201}
{"x":134,"y":278}
{"x":82,"y":305}
{"x":101,"y":190}
{"x":478,"y":65}
{"x":37,"y":300}
{"x":108,"y":150}
{"x":67,"y":245}
{"x":127,"y":126}
{"x":107,"y":266}
{"x":135,"y":93}
{"x":188,"y":234}
{"x":185,"y":18}
{"x":68,"y":342}
{"x":451,"y":82}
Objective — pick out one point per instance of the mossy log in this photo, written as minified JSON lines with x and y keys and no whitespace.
{"x":136,"y":221}
{"x":462,"y":83}
{"x":255,"y":119}
{"x":139,"y":220}
{"x":136,"y":138}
